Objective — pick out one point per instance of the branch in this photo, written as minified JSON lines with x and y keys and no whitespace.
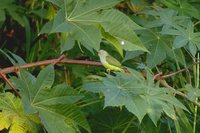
{"x":59,"y":59}
{"x":64,"y":60}
{"x":10,"y":84}
{"x":165,"y":84}
{"x":47,"y":62}
{"x":179,"y":71}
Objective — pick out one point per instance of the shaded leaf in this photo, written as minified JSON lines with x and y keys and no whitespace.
{"x":140,"y":96}
{"x":67,"y":42}
{"x":81,"y":20}
{"x":183,"y":7}
{"x":113,"y":120}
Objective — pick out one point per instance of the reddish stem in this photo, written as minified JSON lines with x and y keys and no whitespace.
{"x":46,"y":62}
{"x":10,"y":84}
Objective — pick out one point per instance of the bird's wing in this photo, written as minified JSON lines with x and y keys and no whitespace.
{"x":113,"y":61}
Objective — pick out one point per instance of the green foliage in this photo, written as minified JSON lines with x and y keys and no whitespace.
{"x":81,"y":20}
{"x":113,"y":120}
{"x":55,"y":105}
{"x":14,"y":59}
{"x":138,"y":95}
{"x":13,"y":10}
{"x":157,"y":41}
{"x":13,"y":117}
{"x":185,"y":7}
{"x":192,"y":92}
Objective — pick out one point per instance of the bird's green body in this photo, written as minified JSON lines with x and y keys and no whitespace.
{"x":110,"y":62}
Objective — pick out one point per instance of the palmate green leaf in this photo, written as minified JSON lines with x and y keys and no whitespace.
{"x":57,"y":95}
{"x":157,"y":55}
{"x":25,"y":84}
{"x":13,"y":117}
{"x":131,"y":55}
{"x":88,"y":35}
{"x":158,"y":45}
{"x":184,"y":7}
{"x":192,"y":93}
{"x":185,"y":36}
{"x":81,"y":20}
{"x":92,"y":5}
{"x":175,"y":25}
{"x":119,"y":26}
{"x":45,"y":79}
{"x":82,"y":8}
{"x":65,"y":117}
{"x":188,"y":38}
{"x":160,"y":48}
{"x":31,"y":87}
{"x":177,"y":55}
{"x":140,"y":96}
{"x":67,"y":42}
{"x":39,"y":96}
{"x":164,"y":17}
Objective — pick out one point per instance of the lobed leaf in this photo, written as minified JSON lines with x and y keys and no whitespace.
{"x":140,"y":96}
{"x":55,"y":105}
{"x":81,"y":20}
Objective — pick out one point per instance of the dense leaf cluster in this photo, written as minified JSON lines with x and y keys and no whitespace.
{"x":158,"y":41}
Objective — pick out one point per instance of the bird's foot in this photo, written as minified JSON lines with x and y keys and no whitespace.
{"x":108,"y":71}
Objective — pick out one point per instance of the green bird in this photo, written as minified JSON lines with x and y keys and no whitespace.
{"x":109,"y":62}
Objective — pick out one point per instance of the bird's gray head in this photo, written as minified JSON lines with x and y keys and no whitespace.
{"x":102,"y":53}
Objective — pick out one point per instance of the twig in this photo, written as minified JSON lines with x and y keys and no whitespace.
{"x":59,"y":59}
{"x":10,"y":84}
{"x":179,"y":71}
{"x":46,"y":62}
{"x":165,"y":84}
{"x":63,"y":60}
{"x":157,"y":76}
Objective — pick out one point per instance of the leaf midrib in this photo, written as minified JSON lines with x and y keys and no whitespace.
{"x":40,"y":88}
{"x":27,"y":86}
{"x":82,"y":14}
{"x":89,"y":38}
{"x":52,"y":98}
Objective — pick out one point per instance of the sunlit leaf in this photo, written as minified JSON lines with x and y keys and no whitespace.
{"x":52,"y":103}
{"x":13,"y":117}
